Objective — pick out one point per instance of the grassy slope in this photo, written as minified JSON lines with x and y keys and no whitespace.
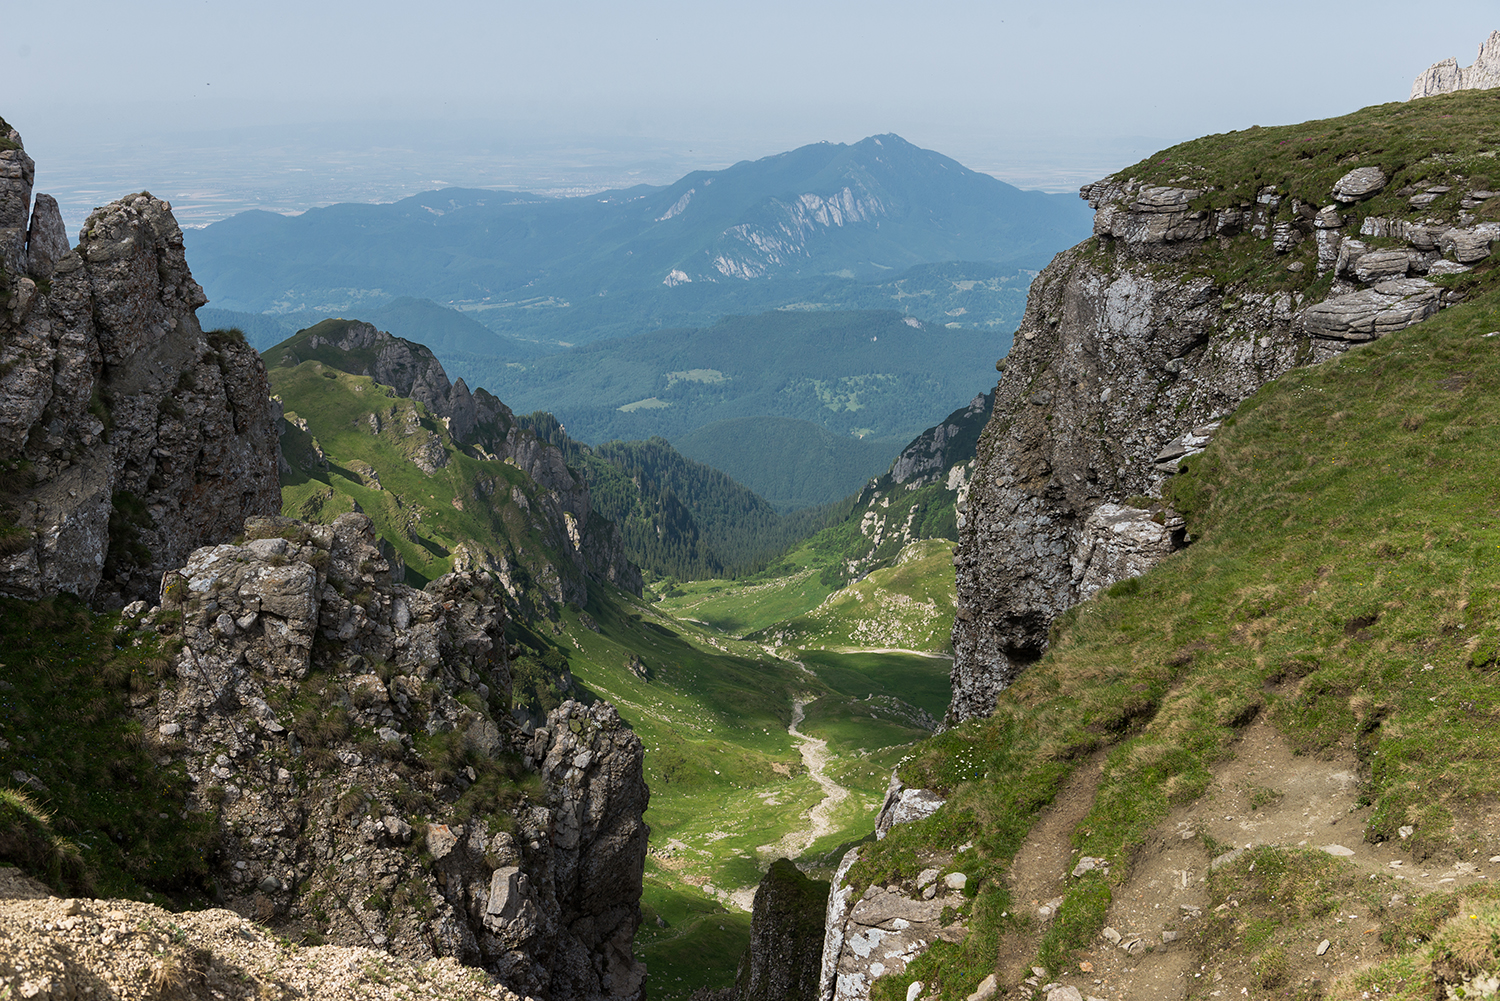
{"x":1346,"y":583}
{"x":423,"y":516}
{"x":908,"y":605}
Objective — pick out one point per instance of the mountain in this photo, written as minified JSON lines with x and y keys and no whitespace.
{"x":877,"y":207}
{"x":452,"y":481}
{"x":868,"y":374}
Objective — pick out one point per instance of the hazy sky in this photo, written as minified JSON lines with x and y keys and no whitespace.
{"x":374,"y":99}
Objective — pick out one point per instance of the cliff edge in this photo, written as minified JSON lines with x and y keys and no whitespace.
{"x":1215,"y":267}
{"x":128,"y":436}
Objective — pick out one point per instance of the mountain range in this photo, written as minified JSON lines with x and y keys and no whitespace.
{"x":752,"y":236}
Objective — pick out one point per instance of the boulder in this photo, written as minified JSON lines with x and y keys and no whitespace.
{"x":1359,"y":184}
{"x":1368,"y":314}
{"x":46,"y":238}
{"x":784,"y":960}
{"x":1119,"y":542}
{"x":903,"y":805}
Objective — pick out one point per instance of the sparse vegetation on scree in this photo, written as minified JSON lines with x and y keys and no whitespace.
{"x":1345,"y":585}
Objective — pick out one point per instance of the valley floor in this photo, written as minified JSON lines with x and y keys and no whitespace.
{"x":755,"y":750}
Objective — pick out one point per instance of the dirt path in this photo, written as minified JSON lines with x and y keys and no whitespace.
{"x":819,"y":818}
{"x":1264,"y":795}
{"x":1040,"y":870}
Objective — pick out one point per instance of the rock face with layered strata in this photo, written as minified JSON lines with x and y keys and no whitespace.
{"x":1122,"y":354}
{"x":322,"y":704}
{"x":128,"y":436}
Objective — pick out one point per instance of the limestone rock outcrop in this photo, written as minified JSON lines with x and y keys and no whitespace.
{"x":352,"y":735}
{"x":128,"y":436}
{"x":63,"y":949}
{"x":1123,"y":357}
{"x":932,"y":453}
{"x":878,"y":931}
{"x":1447,"y":76}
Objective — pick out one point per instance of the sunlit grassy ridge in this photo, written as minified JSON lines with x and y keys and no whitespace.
{"x":370,"y":437}
{"x":1345,"y":582}
{"x":1414,"y":142}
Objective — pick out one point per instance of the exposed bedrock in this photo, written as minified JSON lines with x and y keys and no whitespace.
{"x":128,"y":437}
{"x":1125,"y":358}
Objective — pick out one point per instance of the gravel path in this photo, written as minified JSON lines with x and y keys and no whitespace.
{"x":819,"y":818}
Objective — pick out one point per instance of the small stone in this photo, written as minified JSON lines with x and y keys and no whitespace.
{"x":169,"y":729}
{"x":986,"y":989}
{"x":1068,"y":993}
{"x":1088,"y":864}
{"x":1338,"y":850}
{"x":927,"y":876}
{"x":955,"y":881}
{"x":1406,"y":831}
{"x":1169,"y":936}
{"x":1110,"y":935}
{"x":72,"y":906}
{"x":1038,"y":972}
{"x":440,"y":840}
{"x":583,"y":759}
{"x":1323,"y":946}
{"x":269,"y":885}
{"x":929,"y":892}
{"x":913,"y":990}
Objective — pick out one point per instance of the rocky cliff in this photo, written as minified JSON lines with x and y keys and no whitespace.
{"x":352,"y":735}
{"x":1197,"y":288}
{"x":128,"y":436}
{"x":1447,"y":76}
{"x":339,"y":746}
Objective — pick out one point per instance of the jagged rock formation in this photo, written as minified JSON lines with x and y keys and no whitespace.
{"x":323,"y":709}
{"x":1119,"y":358}
{"x":128,"y":436}
{"x":937,"y":450}
{"x":784,"y":961}
{"x":1447,"y":76}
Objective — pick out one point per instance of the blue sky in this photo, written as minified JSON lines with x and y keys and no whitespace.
{"x":1041,"y":97}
